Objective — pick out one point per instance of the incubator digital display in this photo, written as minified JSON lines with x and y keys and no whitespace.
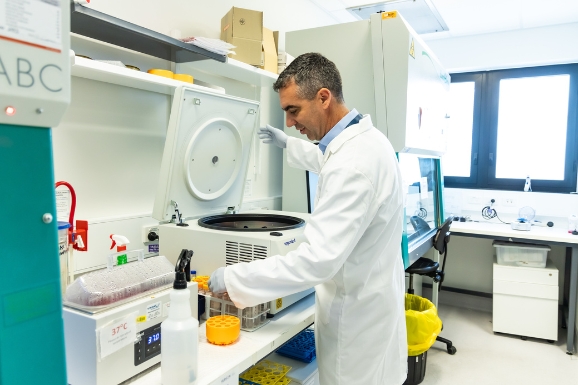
{"x":154,"y":338}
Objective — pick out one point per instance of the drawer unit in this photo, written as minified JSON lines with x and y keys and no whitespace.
{"x":526,"y":301}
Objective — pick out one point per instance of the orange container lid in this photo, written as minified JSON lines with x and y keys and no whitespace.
{"x":159,"y":72}
{"x":184,"y":78}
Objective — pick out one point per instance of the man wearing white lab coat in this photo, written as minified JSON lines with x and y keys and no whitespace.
{"x":352,"y":253}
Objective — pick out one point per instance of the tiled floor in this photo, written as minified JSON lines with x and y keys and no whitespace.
{"x":483,"y":358}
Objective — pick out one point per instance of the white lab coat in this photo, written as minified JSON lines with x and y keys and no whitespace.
{"x":352,"y":256}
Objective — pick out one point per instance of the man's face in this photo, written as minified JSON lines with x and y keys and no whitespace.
{"x":306,"y":115}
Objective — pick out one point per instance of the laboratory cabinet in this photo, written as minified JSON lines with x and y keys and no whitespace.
{"x":526,"y":301}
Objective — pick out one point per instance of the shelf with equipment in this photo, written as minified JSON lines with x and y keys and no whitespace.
{"x":88,"y":22}
{"x":108,"y":73}
{"x":98,"y":26}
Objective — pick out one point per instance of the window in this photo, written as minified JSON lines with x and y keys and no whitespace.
{"x":509,"y":124}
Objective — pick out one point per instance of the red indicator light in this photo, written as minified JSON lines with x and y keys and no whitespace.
{"x":10,"y":110}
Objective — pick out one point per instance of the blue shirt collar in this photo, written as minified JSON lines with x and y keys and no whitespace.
{"x":345,"y":122}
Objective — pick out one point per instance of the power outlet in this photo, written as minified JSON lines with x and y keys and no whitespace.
{"x":150,"y":231}
{"x":509,"y":202}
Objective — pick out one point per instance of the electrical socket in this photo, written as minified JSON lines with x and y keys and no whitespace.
{"x":508,"y":202}
{"x":145,"y":233}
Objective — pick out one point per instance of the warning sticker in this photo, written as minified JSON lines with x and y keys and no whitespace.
{"x":279,"y":303}
{"x":388,"y":15}
{"x":36,"y":23}
{"x":412,"y":49}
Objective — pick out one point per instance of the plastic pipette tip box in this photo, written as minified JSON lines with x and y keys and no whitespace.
{"x":301,"y":347}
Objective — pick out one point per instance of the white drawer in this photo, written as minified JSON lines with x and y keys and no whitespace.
{"x":522,"y":289}
{"x":524,"y":316}
{"x":542,"y":276}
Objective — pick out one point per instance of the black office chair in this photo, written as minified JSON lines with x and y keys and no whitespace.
{"x":429,"y":268}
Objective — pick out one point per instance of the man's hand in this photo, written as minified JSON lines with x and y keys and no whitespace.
{"x":217,"y":281}
{"x":273,"y":135}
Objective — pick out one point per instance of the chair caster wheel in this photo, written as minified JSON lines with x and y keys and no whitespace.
{"x":452,"y":350}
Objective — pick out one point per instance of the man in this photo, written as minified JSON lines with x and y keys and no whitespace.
{"x":353,"y":250}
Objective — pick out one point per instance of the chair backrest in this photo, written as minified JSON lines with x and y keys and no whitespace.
{"x":442,"y":236}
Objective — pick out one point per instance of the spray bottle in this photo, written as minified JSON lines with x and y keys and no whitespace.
{"x":120,"y":242}
{"x":180,"y":332}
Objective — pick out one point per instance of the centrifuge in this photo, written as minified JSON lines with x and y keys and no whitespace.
{"x":202,"y":181}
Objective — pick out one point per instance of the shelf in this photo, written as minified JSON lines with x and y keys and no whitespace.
{"x":239,"y":71}
{"x":108,"y":73}
{"x":215,"y":362}
{"x":100,"y":26}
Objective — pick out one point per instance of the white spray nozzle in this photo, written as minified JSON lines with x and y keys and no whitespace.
{"x":118,"y":240}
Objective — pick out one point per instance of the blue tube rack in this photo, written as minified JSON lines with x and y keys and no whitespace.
{"x":301,"y":347}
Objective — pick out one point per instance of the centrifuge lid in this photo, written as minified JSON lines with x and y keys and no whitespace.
{"x":251,"y":222}
{"x":206,"y":154}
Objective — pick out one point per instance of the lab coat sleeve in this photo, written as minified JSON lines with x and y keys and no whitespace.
{"x":304,"y":155}
{"x":342,"y":215}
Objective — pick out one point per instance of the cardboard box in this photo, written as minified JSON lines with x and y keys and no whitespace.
{"x":269,"y":54}
{"x":244,"y":29}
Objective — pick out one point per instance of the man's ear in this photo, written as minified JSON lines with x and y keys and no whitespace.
{"x":324,"y":96}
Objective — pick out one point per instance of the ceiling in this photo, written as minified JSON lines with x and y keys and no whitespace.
{"x":473,"y":17}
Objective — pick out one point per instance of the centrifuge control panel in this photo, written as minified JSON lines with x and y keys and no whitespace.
{"x":149,"y":345}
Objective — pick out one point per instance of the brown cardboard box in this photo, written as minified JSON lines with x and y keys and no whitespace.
{"x":247,"y":50}
{"x":269,"y":56}
{"x":244,"y":29}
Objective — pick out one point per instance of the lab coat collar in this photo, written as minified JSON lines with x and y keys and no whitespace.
{"x":351,"y":132}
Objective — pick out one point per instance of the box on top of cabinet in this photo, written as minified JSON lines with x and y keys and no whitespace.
{"x":244,"y":29}
{"x":521,"y":254}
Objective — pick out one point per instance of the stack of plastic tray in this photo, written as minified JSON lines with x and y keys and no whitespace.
{"x":301,"y":347}
{"x":252,"y":318}
{"x":265,"y":372}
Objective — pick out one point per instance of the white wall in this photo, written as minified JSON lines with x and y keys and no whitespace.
{"x":202,"y":18}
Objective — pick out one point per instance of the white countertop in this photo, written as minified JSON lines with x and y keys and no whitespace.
{"x":217,"y":362}
{"x":539,"y":233}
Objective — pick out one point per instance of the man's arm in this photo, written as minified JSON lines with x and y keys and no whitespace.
{"x":343,"y":214}
{"x":304,"y":155}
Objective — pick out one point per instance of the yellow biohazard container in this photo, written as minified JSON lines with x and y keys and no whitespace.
{"x":423,"y":324}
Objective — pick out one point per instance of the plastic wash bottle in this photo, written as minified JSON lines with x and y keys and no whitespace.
{"x":180,"y":333}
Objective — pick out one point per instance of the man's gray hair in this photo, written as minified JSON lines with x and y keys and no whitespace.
{"x":311,"y":72}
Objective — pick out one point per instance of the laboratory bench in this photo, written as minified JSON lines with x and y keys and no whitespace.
{"x":222,"y":364}
{"x":538,"y":235}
